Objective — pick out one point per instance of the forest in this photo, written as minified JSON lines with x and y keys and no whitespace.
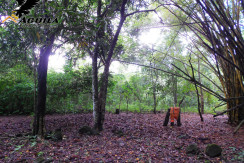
{"x":121,"y":81}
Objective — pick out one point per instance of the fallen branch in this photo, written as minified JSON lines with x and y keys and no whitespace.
{"x":229,"y":110}
{"x":238,"y":127}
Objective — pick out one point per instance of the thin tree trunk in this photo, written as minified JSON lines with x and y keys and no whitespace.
{"x":154,"y":99}
{"x":140,"y":101}
{"x":34,"y":70}
{"x":127,"y":101}
{"x":201,"y":90}
{"x":140,"y":107}
{"x":174,"y":85}
{"x":119,"y":101}
{"x":198,"y":101}
{"x":154,"y":88}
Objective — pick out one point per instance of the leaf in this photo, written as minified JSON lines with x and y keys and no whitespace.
{"x":33,"y":144}
{"x":18,"y":147}
{"x":40,"y":153}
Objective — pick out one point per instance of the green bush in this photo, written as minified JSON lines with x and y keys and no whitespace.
{"x":16,"y":92}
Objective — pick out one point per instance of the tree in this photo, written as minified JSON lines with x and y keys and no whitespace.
{"x":45,"y":50}
{"x":138,"y":85}
{"x":127,"y":91}
{"x":15,"y":51}
{"x":45,"y":46}
{"x":103,"y":48}
{"x":154,"y":81}
{"x":67,"y":24}
{"x":217,"y":27}
{"x":48,"y":37}
{"x":117,"y":93}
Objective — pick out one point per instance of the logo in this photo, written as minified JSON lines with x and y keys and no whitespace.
{"x":13,"y":17}
{"x":24,"y":7}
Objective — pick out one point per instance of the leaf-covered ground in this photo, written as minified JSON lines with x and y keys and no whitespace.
{"x":145,"y":139}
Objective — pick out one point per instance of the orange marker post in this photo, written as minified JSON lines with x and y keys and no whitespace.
{"x":174,"y":113}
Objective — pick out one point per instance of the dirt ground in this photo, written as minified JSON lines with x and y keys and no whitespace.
{"x":144,"y":139}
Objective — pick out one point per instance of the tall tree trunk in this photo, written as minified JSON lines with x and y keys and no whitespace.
{"x":103,"y":96}
{"x":174,"y":85}
{"x":154,"y":99}
{"x":97,"y":112}
{"x":154,"y":84}
{"x":140,"y":108}
{"x":120,"y":96}
{"x":38,"y":125}
{"x":127,"y":102}
{"x":95,"y":96}
{"x":140,"y":101}
{"x":201,"y":90}
{"x":34,"y":72}
{"x":99,"y":99}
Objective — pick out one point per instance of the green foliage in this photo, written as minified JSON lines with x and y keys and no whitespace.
{"x":68,"y":92}
{"x":71,"y":91}
{"x":16,"y":91}
{"x":238,"y":156}
{"x":138,"y":91}
{"x":33,"y":144}
{"x":40,"y":153}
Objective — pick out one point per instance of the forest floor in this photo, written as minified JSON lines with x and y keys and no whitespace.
{"x":145,"y":139}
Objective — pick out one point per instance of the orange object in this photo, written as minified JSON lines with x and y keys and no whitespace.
{"x":174,"y":113}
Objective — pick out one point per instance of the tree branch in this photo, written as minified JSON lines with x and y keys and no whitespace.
{"x":198,"y":101}
{"x":236,"y":107}
{"x":145,"y":10}
{"x":181,"y":101}
{"x":178,"y":75}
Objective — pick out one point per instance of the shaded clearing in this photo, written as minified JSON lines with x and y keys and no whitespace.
{"x":143,"y":138}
